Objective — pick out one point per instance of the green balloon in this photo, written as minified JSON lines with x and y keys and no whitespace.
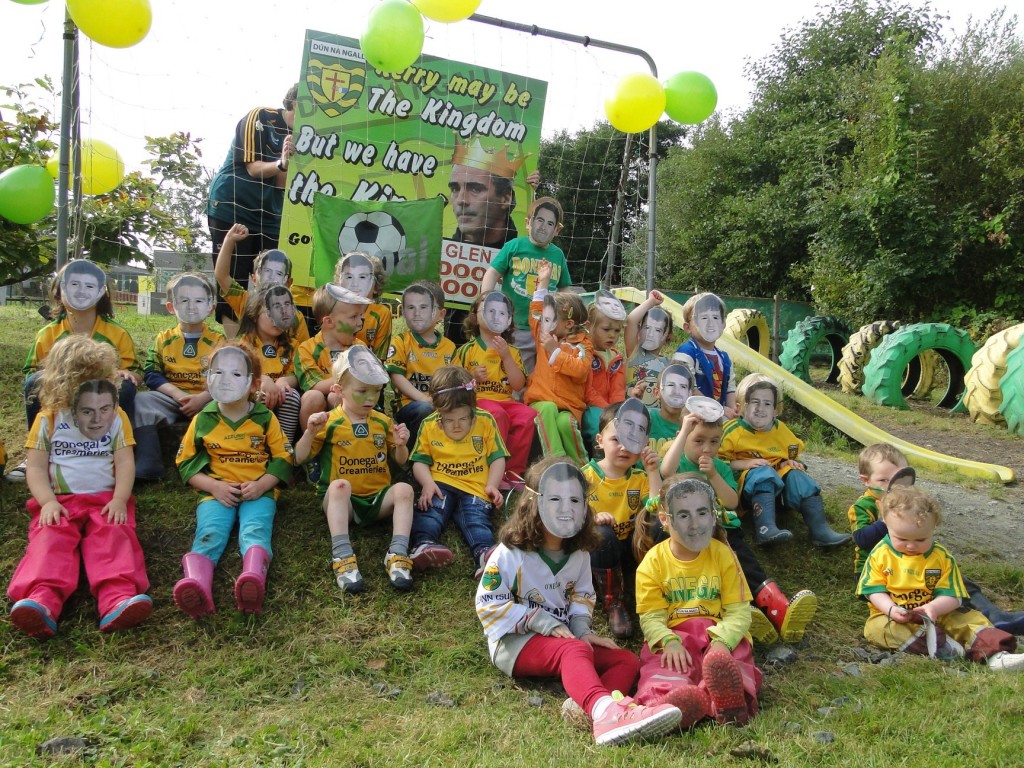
{"x":393,"y":39}
{"x":26,"y":194}
{"x":690,"y":97}
{"x":30,"y":2}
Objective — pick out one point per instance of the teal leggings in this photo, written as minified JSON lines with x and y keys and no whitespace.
{"x":559,"y":432}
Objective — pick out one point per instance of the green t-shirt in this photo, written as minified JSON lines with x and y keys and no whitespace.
{"x":517,"y":261}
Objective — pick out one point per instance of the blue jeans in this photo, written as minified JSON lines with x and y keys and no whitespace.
{"x":472,"y":517}
{"x":214,"y":522}
{"x":412,"y":415}
{"x":795,"y":486}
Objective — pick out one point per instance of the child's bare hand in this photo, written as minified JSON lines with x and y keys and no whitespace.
{"x":562,"y":631}
{"x":429,"y":492}
{"x":793,"y":464}
{"x":190,"y":405}
{"x":237,"y":233}
{"x":400,"y":433}
{"x":495,"y":496}
{"x":480,"y":373}
{"x":758,"y":463}
{"x":902,"y":615}
{"x":730,"y":412}
{"x":316,"y":421}
{"x":549,"y":342}
{"x":50,"y":513}
{"x":116,"y":512}
{"x":499,"y":345}
{"x":638,"y":390}
{"x":228,"y":494}
{"x":690,"y":422}
{"x":599,"y":642}
{"x":650,"y":458}
{"x":674,"y":656}
{"x":604,"y":518}
{"x":544,"y":272}
{"x":533,"y":179}
{"x":706,"y":464}
{"x":657,"y":297}
{"x":251,"y":490}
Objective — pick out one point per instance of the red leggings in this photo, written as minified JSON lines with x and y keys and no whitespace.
{"x":588,"y":672}
{"x":516,"y":424}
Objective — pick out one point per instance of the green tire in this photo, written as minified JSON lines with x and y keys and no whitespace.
{"x":805,"y":337}
{"x":857,"y":353}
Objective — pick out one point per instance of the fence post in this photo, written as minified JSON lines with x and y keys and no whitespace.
{"x":775,"y":328}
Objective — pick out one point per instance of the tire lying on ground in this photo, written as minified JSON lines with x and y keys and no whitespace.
{"x":919,"y":378}
{"x":805,"y":336}
{"x":751,"y":327}
{"x":983,"y":395}
{"x":885,"y":374}
{"x":1012,"y":386}
{"x":857,"y":353}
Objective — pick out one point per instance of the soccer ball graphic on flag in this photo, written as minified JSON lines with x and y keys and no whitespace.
{"x":376,"y":233}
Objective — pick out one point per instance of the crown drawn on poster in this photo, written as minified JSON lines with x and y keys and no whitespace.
{"x":497,"y":161}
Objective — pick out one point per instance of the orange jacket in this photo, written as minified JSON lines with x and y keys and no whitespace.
{"x":563,"y":382}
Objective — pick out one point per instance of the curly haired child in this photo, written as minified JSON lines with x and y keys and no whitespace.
{"x":80,"y":472}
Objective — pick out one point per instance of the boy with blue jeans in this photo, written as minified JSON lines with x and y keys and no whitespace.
{"x":459,"y":460}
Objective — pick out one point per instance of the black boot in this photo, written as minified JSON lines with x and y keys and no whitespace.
{"x":765,"y":530}
{"x":1008,"y":621}
{"x":813,"y":510}
{"x":149,"y":462}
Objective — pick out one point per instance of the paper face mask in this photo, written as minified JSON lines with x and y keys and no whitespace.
{"x":759,"y":409}
{"x":280,"y":307}
{"x":94,"y":413}
{"x":275,"y":268}
{"x":654,"y":330}
{"x":708,"y":318}
{"x":192,"y":300}
{"x":549,"y":315}
{"x":82,"y":284}
{"x":675,"y":385}
{"x":496,"y":312}
{"x":563,"y":500}
{"x":608,"y":304}
{"x":229,"y":378}
{"x":419,"y":311}
{"x":365,"y":367}
{"x":356,"y":274}
{"x":632,"y":425}
{"x":543,"y":226}
{"x":709,"y":409}
{"x":692,"y":517}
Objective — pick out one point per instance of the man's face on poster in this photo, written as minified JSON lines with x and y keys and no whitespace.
{"x":480,"y":208}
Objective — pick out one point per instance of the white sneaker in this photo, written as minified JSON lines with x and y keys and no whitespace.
{"x":16,"y":475}
{"x":399,"y":568}
{"x":1006,"y":662}
{"x":346,"y":573}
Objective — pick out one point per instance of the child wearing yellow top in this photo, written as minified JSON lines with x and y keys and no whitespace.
{"x":694,"y":607}
{"x":459,"y":461}
{"x":352,"y":444}
{"x":234,"y":454}
{"x":271,"y":267}
{"x":618,"y":492}
{"x":340,"y":313}
{"x":417,"y":353}
{"x":564,"y":355}
{"x":364,"y":275}
{"x":914,"y":587}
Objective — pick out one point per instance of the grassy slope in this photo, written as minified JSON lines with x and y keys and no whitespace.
{"x":300,"y":686}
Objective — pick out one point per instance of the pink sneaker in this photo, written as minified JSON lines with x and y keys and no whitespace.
{"x":430,"y":555}
{"x":623,"y":721}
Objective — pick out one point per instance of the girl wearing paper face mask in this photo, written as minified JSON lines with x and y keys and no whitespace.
{"x":276,"y":386}
{"x":557,"y":387}
{"x":648,"y":329}
{"x":535,"y":601}
{"x":364,"y":275}
{"x":80,"y":304}
{"x":696,"y":654}
{"x":499,"y":372}
{"x":234,"y":454}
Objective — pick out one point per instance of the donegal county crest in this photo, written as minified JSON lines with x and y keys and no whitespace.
{"x":335,"y":88}
{"x":633,"y":499}
{"x":378,"y":440}
{"x":491,"y":579}
{"x":931,"y":577}
{"x":478,"y":444}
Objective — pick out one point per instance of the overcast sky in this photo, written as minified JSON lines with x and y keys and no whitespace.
{"x":205,"y":63}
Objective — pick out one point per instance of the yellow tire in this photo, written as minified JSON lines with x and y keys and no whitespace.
{"x":984,"y":393}
{"x":857,"y":353}
{"x":750,"y":326}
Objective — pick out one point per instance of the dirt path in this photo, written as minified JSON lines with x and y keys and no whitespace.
{"x":975,"y":523}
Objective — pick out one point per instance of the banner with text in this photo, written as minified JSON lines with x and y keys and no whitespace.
{"x":466,"y":135}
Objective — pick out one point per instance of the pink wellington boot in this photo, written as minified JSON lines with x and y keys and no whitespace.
{"x":192,"y":594}
{"x":251,"y":585}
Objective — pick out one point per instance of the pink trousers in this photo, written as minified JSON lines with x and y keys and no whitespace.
{"x":516,"y":425}
{"x":588,"y":672}
{"x":656,"y":681}
{"x":48,"y":573}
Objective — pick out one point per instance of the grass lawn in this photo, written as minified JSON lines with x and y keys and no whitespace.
{"x":391,"y":679}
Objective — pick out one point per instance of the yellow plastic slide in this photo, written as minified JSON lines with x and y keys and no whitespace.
{"x":862,"y":431}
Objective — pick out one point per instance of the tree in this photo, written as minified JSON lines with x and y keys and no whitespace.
{"x":162,"y":208}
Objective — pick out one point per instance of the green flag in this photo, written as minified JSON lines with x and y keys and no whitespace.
{"x":405,"y":235}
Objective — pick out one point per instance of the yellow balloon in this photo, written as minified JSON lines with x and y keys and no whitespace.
{"x":102,"y":167}
{"x":636,"y":103}
{"x":53,"y":166}
{"x":114,"y":23}
{"x":447,"y":10}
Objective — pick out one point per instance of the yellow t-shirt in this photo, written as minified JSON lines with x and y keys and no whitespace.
{"x":778,"y":444}
{"x":911,"y":580}
{"x":356,"y":452}
{"x":236,"y":298}
{"x":314,"y":361}
{"x":695,"y":589}
{"x":410,"y":356}
{"x":179,"y":361}
{"x":495,"y":387}
{"x":622,"y":498}
{"x":462,"y":464}
{"x":277,"y":358}
{"x":376,"y":330}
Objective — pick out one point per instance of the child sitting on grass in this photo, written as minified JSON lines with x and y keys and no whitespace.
{"x":914,"y":587}
{"x":535,"y":601}
{"x":694,"y":607}
{"x":80,"y":472}
{"x":606,"y":383}
{"x":174,"y":370}
{"x":881,"y":466}
{"x":648,"y":329}
{"x":557,"y":386}
{"x":619,"y":491}
{"x":704,"y":320}
{"x":364,"y":275}
{"x":352,"y":444}
{"x":765,"y":452}
{"x":235,"y":455}
{"x":459,"y":461}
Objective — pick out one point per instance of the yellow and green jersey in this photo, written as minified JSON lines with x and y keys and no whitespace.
{"x":474,"y":355}
{"x":236,"y":297}
{"x":175,"y":359}
{"x":355,"y":451}
{"x":412,"y":357}
{"x":376,"y":330}
{"x":276,"y":357}
{"x":462,"y":464}
{"x":910,"y":580}
{"x":235,"y":452}
{"x":104,"y":330}
{"x":862,"y":513}
{"x":314,"y":361}
{"x":622,"y":497}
